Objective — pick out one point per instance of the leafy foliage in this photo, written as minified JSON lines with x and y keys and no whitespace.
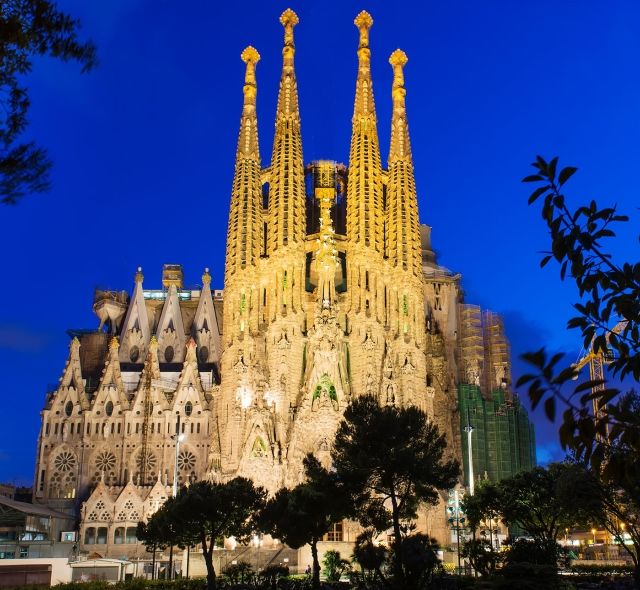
{"x":544,"y":501}
{"x":419,"y":559}
{"x":369,"y":556}
{"x":334,"y":566}
{"x":609,"y":294}
{"x":482,"y":556}
{"x":483,"y":506}
{"x":205,"y":511}
{"x":240,"y":572}
{"x":536,"y":552}
{"x":302,"y":515}
{"x":30,"y":28}
{"x":391,"y":457}
{"x":608,"y":316}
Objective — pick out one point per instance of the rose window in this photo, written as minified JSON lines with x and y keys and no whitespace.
{"x":148,"y":461}
{"x":65,"y":461}
{"x":186,"y":461}
{"x":105,"y":461}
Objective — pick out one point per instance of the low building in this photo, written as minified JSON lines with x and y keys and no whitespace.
{"x":34,"y":531}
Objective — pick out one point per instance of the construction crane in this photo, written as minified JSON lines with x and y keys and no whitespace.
{"x":597,"y":362}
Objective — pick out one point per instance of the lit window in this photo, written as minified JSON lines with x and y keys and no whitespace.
{"x":90,"y":536}
{"x":335,"y":533}
{"x":101,"y":538}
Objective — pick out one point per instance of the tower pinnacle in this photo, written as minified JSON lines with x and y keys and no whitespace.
{"x":364,"y":205}
{"x":400,"y":146}
{"x":288,"y":19}
{"x":251,"y":57}
{"x":402,"y":204}
{"x":244,"y":231}
{"x":286,"y":204}
{"x":398,"y":60}
{"x":364,"y":22}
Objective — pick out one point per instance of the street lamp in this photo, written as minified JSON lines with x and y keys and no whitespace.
{"x":455,"y":520}
{"x":178,"y":437}
{"x":469,"y":430}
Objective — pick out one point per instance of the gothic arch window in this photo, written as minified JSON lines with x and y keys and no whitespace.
{"x":188,"y":409}
{"x":169,"y":353}
{"x":134,"y":353}
{"x":101,"y":536}
{"x":108,"y":408}
{"x":118,"y":536}
{"x":150,"y":463}
{"x":63,"y":480}
{"x":203,"y":354}
{"x":259,"y":449}
{"x":68,"y":408}
{"x":105,"y":463}
{"x":90,"y":535}
{"x":131,"y":535}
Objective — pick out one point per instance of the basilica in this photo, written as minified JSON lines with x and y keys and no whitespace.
{"x":331,"y":291}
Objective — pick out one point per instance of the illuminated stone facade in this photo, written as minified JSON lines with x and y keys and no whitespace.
{"x":331,"y":291}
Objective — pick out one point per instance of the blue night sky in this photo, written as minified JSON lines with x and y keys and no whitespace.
{"x":143,"y":149}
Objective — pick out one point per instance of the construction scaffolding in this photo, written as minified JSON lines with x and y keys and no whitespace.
{"x":471,"y":342}
{"x":503,"y":436}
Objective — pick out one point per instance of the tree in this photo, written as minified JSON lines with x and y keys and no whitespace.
{"x":609,"y":322}
{"x":482,"y":555}
{"x":334,"y":566}
{"x":392,"y":461}
{"x":483,"y":506}
{"x":419,"y":559}
{"x":612,"y":494}
{"x":205,"y":511}
{"x":238,"y":573}
{"x":544,"y":501}
{"x":162,"y":530}
{"x":609,"y":294}
{"x":370,"y":556}
{"x":152,"y":537}
{"x":30,"y":28}
{"x":304,"y":514}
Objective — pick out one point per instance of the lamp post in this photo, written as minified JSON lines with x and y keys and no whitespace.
{"x":593,"y":532}
{"x":469,"y":430}
{"x":178,"y":437}
{"x":456,"y":520}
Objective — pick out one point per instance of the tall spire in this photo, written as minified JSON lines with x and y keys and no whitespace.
{"x":364,"y":191}
{"x":245,"y":226}
{"x":286,"y":187}
{"x":402,"y":205}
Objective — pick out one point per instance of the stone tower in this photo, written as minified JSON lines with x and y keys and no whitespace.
{"x":315,"y":317}
{"x":331,"y":291}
